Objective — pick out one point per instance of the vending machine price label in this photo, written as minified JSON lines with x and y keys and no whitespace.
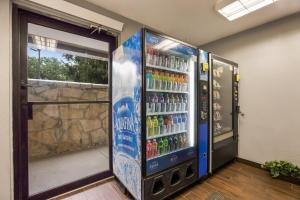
{"x":205,"y":67}
{"x":238,"y":77}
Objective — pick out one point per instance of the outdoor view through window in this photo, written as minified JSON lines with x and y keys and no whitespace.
{"x":67,"y":133}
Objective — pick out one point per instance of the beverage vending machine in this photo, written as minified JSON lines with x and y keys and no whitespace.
{"x":203,"y":113}
{"x":224,"y":110}
{"x":154,"y":115}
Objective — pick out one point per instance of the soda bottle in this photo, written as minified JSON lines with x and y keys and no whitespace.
{"x":168,"y":80}
{"x":185,"y":65}
{"x":184,"y":122}
{"x":179,"y":122}
{"x":160,"y":146}
{"x":148,"y":103}
{"x":178,"y":103}
{"x":180,"y":61}
{"x":171,"y":143}
{"x":175,"y":82}
{"x":155,"y":125}
{"x":177,"y":64}
{"x":182,"y":107}
{"x":175,"y":123}
{"x":184,"y":143}
{"x":172,"y":81}
{"x":185,"y":102}
{"x":162,"y":103}
{"x":167,"y":101}
{"x":165,"y":126}
{"x":163,"y":80}
{"x":179,"y":141}
{"x":159,"y":81}
{"x":166,"y":145}
{"x":149,"y":149}
{"x":155,"y":103}
{"x":161,"y":124}
{"x":149,"y":127}
{"x":167,"y":61}
{"x":173,"y":104}
{"x":152,"y":104}
{"x":185,"y":83}
{"x":175,"y":141}
{"x":171,"y":124}
{"x":155,"y":56}
{"x":149,"y":79}
{"x":172,"y":62}
{"x":154,"y":148}
{"x":149,"y":59}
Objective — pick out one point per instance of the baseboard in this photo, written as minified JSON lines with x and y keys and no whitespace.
{"x":249,"y":162}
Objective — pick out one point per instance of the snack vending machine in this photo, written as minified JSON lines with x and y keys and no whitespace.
{"x":154,"y":115}
{"x":224,"y":109}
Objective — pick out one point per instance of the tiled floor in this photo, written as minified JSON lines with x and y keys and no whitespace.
{"x":235,"y":182}
{"x":55,"y":171}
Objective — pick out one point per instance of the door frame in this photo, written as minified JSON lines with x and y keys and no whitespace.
{"x":20,"y":106}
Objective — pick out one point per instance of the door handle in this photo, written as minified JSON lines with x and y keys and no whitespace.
{"x":25,"y":85}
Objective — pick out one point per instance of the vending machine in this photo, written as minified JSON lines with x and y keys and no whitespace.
{"x":224,"y":109}
{"x":154,"y":80}
{"x":203,"y":113}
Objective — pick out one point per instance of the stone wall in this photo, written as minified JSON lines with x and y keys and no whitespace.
{"x":61,"y":128}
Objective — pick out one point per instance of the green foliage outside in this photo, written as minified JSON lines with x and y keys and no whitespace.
{"x":283,"y":168}
{"x":73,"y":68}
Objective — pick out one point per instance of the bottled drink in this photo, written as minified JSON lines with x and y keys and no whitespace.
{"x":149,"y":127}
{"x":172,"y":62}
{"x":175,"y":82}
{"x":172,"y":81}
{"x":155,"y":56}
{"x":175,"y":141}
{"x":173,"y":104}
{"x":178,"y":103}
{"x":152,"y":104}
{"x":171,"y":143}
{"x":184,"y":139}
{"x":179,"y":123}
{"x":149,"y":149}
{"x":185,"y":66}
{"x":161,"y":124}
{"x":166,"y":145}
{"x":171,"y":124}
{"x":149,"y":79}
{"x":185,"y":84}
{"x":148,"y":108}
{"x":182,"y":106}
{"x":162,"y":103}
{"x":149,"y":59}
{"x":185,"y":102}
{"x":168,"y":124}
{"x":159,"y":81}
{"x":181,"y":63}
{"x":177,"y":64}
{"x":154,"y":148}
{"x":155,"y":102}
{"x":175,"y":124}
{"x":184,"y":121}
{"x":160,"y":59}
{"x":160,"y":146}
{"x":163,"y":80}
{"x":167,"y":61}
{"x":179,"y":141}
{"x":168,"y":81}
{"x":167,"y":100}
{"x":155,"y":125}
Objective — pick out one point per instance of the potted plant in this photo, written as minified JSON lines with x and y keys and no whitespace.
{"x":283,"y":170}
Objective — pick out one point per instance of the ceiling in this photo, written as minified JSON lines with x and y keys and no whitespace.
{"x":194,"y":21}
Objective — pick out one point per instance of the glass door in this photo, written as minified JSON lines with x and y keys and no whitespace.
{"x":222,"y":100}
{"x":63,"y":88}
{"x":170,"y":100}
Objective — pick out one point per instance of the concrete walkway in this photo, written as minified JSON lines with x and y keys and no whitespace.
{"x":51,"y":172}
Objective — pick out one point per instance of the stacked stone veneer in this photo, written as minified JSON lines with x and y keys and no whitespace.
{"x":57,"y":129}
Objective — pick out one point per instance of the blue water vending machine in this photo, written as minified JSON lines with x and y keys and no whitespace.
{"x":154,"y":80}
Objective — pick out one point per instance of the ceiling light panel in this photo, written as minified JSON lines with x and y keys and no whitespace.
{"x":240,"y":8}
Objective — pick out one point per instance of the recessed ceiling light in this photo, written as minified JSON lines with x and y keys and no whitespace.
{"x":240,"y":8}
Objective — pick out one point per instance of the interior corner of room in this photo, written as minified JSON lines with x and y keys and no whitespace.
{"x":81,"y":81}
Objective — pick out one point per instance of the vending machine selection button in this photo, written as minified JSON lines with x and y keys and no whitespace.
{"x":205,"y":67}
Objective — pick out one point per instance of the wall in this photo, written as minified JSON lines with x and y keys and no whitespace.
{"x":5,"y":102}
{"x":56,"y":129}
{"x":130,"y":26}
{"x":269,"y":59}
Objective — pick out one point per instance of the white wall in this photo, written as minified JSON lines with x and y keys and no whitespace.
{"x":5,"y":102}
{"x":269,"y":60}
